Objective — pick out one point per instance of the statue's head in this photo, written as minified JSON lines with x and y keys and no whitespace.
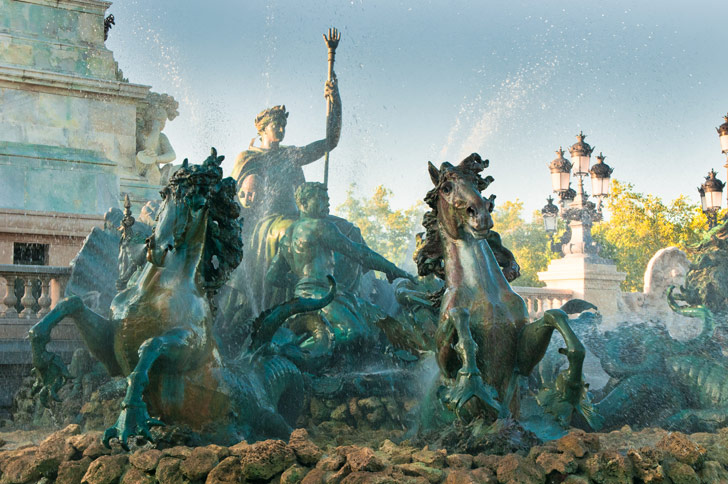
{"x":272,"y":123}
{"x":155,"y":111}
{"x":248,"y":193}
{"x":312,"y":199}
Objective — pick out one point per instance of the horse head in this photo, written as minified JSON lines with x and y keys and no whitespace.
{"x":182,"y":218}
{"x":461,"y":209}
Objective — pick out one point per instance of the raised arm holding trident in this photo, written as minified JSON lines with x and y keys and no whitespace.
{"x":268,"y":175}
{"x":332,"y":42}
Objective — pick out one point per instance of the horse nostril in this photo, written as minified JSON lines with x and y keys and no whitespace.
{"x":471,"y":211}
{"x":169,"y":248}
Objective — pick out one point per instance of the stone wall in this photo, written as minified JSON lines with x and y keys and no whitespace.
{"x":68,"y":125}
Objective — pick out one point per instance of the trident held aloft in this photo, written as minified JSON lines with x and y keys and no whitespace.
{"x":332,"y":41}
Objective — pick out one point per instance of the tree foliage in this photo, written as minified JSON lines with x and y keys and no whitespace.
{"x":639,"y":225}
{"x":387,"y":231}
{"x":527,"y":240}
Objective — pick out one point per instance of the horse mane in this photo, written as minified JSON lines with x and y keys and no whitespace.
{"x":224,"y":243}
{"x":428,"y":254}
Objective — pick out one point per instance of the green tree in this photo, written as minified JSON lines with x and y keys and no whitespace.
{"x":389,"y":232}
{"x":527,"y":240}
{"x":639,"y":225}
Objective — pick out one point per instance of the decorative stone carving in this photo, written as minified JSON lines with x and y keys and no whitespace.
{"x":153,"y":147}
{"x":668,"y":267}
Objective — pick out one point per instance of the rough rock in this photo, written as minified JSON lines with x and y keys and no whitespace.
{"x":714,"y":472}
{"x":578,"y":443}
{"x":178,"y":451}
{"x":220,"y":451}
{"x":168,"y":471}
{"x":54,"y":450}
{"x":646,"y":464}
{"x":420,"y":469}
{"x":459,"y":461}
{"x":71,"y":472}
{"x":19,"y":466}
{"x":263,"y":460}
{"x":396,"y":454}
{"x":561,"y":463}
{"x":89,"y":444}
{"x":306,"y":451}
{"x":107,"y":469}
{"x":516,"y":469}
{"x":332,"y":462}
{"x":136,"y":476}
{"x":684,"y":450}
{"x":199,"y":463}
{"x":315,"y":476}
{"x":228,"y":471}
{"x":364,"y":459}
{"x":681,"y":473}
{"x":370,"y":478}
{"x":145,"y":460}
{"x":607,"y":467}
{"x":431,"y":458}
{"x":294,"y":474}
{"x":487,"y":461}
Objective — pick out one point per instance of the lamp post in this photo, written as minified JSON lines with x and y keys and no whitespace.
{"x":550,"y":213}
{"x":723,"y":137}
{"x":711,"y":193}
{"x":577,"y":210}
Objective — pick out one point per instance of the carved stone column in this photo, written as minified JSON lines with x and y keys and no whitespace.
{"x":45,"y":296}
{"x":10,"y":300}
{"x":27,"y":300}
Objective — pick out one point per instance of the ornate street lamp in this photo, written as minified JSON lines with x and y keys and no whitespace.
{"x":577,"y":210}
{"x":550,"y":214}
{"x":723,"y":135}
{"x":711,"y":193}
{"x":581,"y":155}
{"x":560,"y":173}
{"x":601,"y":175}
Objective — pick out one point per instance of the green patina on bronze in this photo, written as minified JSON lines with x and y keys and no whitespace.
{"x":483,"y":340}
{"x":305,"y":259}
{"x":159,"y":333}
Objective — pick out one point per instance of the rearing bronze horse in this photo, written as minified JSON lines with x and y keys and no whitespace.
{"x":159,"y":333}
{"x":484,"y":340}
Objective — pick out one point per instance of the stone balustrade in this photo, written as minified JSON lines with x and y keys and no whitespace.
{"x":52,"y":281}
{"x":539,"y":299}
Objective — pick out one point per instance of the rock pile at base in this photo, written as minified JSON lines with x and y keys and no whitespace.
{"x":649,"y":456}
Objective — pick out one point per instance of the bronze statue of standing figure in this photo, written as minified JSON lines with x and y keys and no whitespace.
{"x":267,"y":177}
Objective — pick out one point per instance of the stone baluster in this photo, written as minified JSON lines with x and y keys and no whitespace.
{"x":529,"y":305}
{"x":45,"y":296}
{"x":10,"y":300}
{"x":27,"y":300}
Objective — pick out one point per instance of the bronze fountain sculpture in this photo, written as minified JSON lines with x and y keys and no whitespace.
{"x":484,"y":340}
{"x":159,"y":330}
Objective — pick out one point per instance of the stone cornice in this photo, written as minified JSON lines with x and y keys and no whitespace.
{"x":65,"y":84}
{"x":48,"y":223}
{"x":97,"y":7}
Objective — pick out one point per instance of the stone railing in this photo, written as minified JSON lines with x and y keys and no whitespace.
{"x":50,"y":280}
{"x":39,"y":288}
{"x":539,"y":299}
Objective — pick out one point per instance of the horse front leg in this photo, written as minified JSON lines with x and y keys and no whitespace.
{"x":51,"y":372}
{"x":469,"y":380}
{"x":570,"y":392}
{"x":176,"y":348}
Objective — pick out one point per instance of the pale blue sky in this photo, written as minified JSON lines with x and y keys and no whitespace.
{"x":422,"y":80}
